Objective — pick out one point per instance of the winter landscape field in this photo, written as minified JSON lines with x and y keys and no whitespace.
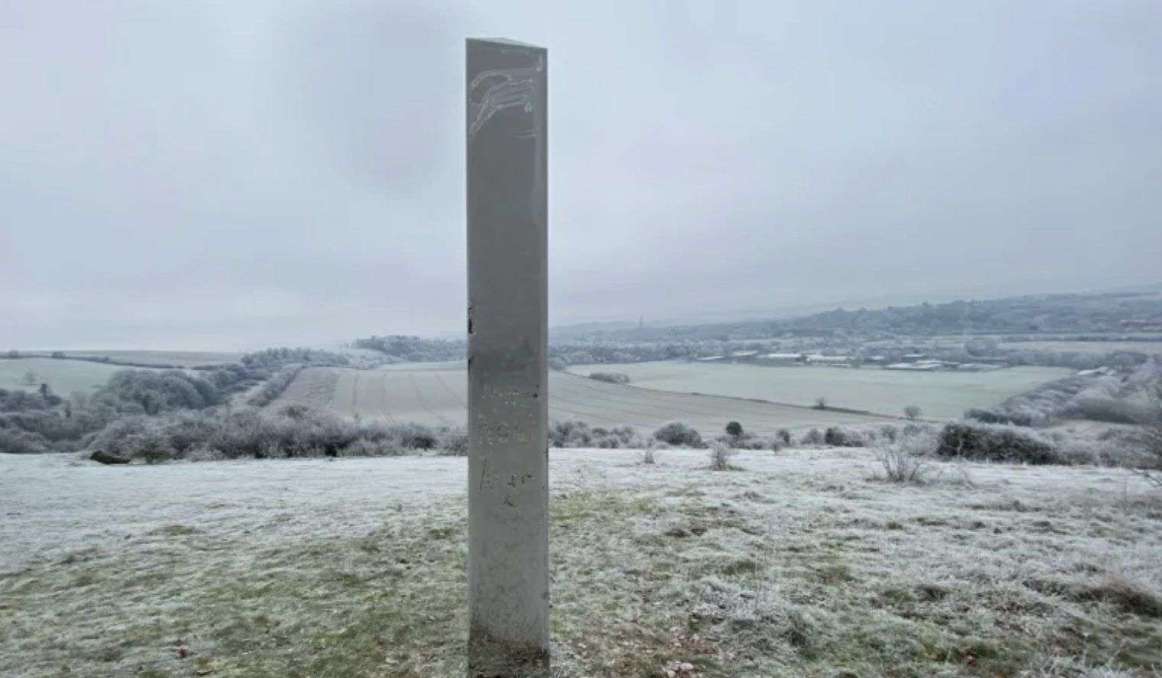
{"x":62,"y":376}
{"x":511,"y":339}
{"x":435,"y":394}
{"x":804,"y":562}
{"x":939,"y":395}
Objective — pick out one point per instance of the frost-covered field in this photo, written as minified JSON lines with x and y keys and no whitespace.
{"x":798,"y":563}
{"x":65,"y":376}
{"x":184,"y":358}
{"x":435,"y":394}
{"x":62,"y":376}
{"x":941,"y":394}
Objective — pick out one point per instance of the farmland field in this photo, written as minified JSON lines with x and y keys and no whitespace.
{"x":62,"y":376}
{"x":180,"y":358}
{"x":1148,"y":347}
{"x":436,"y":394}
{"x":66,"y":375}
{"x":941,"y":395}
{"x":1148,"y":344}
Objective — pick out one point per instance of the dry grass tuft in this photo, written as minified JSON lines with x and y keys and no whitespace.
{"x":1127,"y":595}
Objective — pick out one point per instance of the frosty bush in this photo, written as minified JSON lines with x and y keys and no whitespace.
{"x":293,"y":431}
{"x":16,"y":441}
{"x":454,"y":443}
{"x":679,"y":434}
{"x":812,"y":437}
{"x":840,"y":437}
{"x":988,"y":416}
{"x":990,"y":442}
{"x":574,"y":433}
{"x":748,"y":441}
{"x":648,"y":453}
{"x":1111,"y":410}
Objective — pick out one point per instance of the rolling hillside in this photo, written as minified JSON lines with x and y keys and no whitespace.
{"x":941,"y":395}
{"x":436,"y":394}
{"x":62,"y":376}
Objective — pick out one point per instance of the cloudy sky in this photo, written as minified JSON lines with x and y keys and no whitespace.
{"x":236,"y":174}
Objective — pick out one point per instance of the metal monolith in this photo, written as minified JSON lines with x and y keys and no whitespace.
{"x":508,"y":474}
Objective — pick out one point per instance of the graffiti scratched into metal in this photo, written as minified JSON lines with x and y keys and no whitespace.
{"x":495,"y":90}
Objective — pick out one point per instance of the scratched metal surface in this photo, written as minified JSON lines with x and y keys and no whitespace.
{"x":508,"y":571}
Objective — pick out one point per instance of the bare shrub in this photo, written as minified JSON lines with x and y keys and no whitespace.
{"x":648,"y":453}
{"x":913,"y":412}
{"x":720,"y":457}
{"x":679,"y":434}
{"x":820,"y":403}
{"x":902,"y":462}
{"x":784,"y":436}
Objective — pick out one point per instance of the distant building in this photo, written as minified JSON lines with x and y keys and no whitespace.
{"x":914,"y":367}
{"x":977,"y":367}
{"x":783,"y":358}
{"x":819,"y":359}
{"x":1097,"y":372}
{"x":1140,"y":325}
{"x":934,"y":363}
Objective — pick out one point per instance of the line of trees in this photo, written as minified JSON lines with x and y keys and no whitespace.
{"x":404,"y":348}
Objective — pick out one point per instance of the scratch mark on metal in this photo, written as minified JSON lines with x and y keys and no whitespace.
{"x":495,"y":90}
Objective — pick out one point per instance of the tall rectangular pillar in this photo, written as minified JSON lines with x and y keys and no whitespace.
{"x":508,"y":472}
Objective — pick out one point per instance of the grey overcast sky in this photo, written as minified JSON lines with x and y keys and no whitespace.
{"x":238,"y":174}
